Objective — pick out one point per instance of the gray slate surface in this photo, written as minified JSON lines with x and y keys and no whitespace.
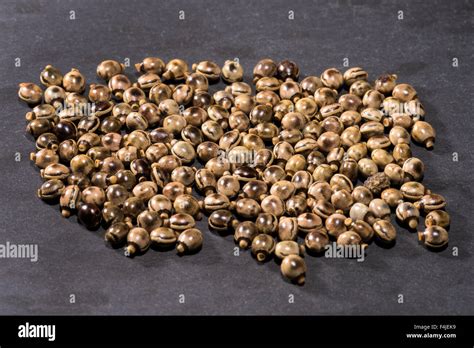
{"x":419,"y":48}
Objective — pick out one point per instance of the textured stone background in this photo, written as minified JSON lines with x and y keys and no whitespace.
{"x":419,"y":48}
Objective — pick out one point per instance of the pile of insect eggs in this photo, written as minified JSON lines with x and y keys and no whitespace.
{"x":286,"y":169}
